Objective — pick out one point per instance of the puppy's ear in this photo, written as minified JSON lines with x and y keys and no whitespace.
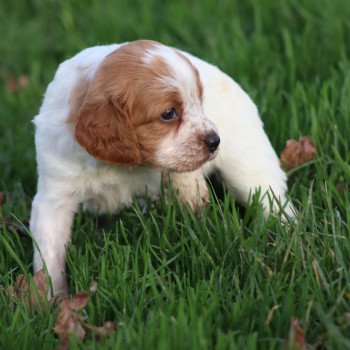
{"x":105,"y":131}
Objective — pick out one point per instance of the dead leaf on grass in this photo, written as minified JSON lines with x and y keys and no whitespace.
{"x":1,"y":198}
{"x":298,"y":152}
{"x":14,"y":226}
{"x":69,"y":321}
{"x":93,"y":287}
{"x":342,"y":188}
{"x":295,"y":338}
{"x":19,"y":83}
{"x":103,"y":331}
{"x":31,"y":295}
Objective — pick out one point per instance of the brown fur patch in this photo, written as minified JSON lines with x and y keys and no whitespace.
{"x":106,"y":133}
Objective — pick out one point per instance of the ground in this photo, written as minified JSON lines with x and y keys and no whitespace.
{"x":168,"y":279}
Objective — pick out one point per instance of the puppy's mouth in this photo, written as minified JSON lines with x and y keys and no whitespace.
{"x":186,"y":156}
{"x":192,"y":160}
{"x":206,"y":151}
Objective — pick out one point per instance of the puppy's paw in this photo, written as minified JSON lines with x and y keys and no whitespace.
{"x":195,"y":194}
{"x":191,"y":187}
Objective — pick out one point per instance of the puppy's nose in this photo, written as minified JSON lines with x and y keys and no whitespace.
{"x":212,"y":142}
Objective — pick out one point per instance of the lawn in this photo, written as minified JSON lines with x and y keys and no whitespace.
{"x":169,"y":280}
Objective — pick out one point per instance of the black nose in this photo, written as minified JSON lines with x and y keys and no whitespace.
{"x":212,"y":141}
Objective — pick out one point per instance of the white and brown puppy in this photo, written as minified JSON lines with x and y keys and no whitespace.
{"x":115,"y":117}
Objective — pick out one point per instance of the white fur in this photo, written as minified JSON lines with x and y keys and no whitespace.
{"x":69,"y":176}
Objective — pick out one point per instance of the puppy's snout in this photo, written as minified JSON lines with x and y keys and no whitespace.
{"x":212,"y":142}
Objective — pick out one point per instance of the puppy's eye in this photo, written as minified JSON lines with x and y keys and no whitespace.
{"x":168,"y":115}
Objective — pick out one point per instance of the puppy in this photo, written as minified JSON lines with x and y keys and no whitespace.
{"x":116,"y":117}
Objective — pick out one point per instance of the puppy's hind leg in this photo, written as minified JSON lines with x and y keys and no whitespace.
{"x":248,"y":163}
{"x":246,"y":160}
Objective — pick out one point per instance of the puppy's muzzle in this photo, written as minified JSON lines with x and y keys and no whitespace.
{"x":212,"y":142}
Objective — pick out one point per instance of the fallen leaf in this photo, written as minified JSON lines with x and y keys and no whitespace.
{"x":17,"y":84}
{"x":14,"y":226}
{"x":93,"y":287}
{"x":298,"y":152}
{"x":22,"y":82}
{"x":103,"y":331}
{"x":11,"y":84}
{"x":79,"y":301}
{"x":1,"y":199}
{"x":342,"y":188}
{"x":295,"y":338}
{"x":69,"y":321}
{"x":31,"y":295}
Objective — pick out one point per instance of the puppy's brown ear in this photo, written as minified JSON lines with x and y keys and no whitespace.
{"x":105,"y":131}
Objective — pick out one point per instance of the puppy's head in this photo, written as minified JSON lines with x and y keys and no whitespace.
{"x":144,"y":106}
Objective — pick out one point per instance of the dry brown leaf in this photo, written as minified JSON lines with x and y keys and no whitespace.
{"x":69,"y":321}
{"x":14,"y":226}
{"x":1,"y":199}
{"x":93,"y":287}
{"x":298,"y":152}
{"x":342,"y":188}
{"x":31,"y":295}
{"x":103,"y":331}
{"x":79,"y":301}
{"x":17,"y":84}
{"x":295,"y":338}
{"x":11,"y":84}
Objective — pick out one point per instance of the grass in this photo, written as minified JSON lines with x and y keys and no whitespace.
{"x":227,"y":280}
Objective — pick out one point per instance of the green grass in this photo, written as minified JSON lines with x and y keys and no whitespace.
{"x":168,"y":279}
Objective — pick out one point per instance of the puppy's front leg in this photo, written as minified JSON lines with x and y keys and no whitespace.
{"x":191,"y":186}
{"x":50,"y":224}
